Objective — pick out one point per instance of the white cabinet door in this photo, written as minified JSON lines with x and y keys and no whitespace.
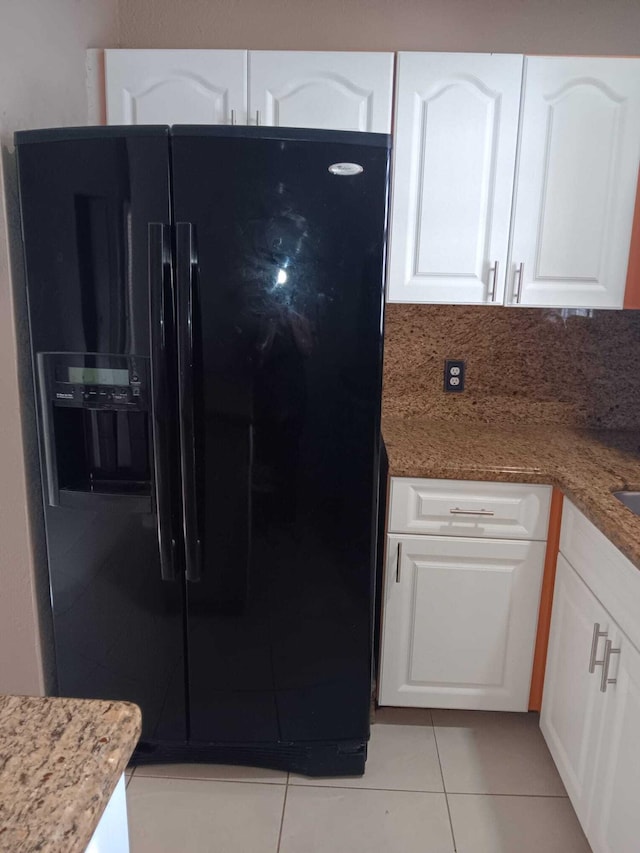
{"x":460,"y":620}
{"x":176,"y":86}
{"x":614,"y":825}
{"x":336,"y":91}
{"x":571,"y":701}
{"x":455,"y":138}
{"x":576,"y":182}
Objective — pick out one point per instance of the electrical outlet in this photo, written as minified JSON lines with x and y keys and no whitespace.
{"x":454,"y":375}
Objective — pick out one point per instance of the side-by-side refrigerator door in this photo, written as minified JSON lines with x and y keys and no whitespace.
{"x":280,"y":296}
{"x":96,"y":223}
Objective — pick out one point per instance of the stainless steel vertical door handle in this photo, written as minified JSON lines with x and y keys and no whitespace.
{"x":606,"y":660}
{"x":517,"y":291}
{"x":597,"y":633}
{"x":233,"y":116}
{"x":491,"y":293}
{"x":399,"y":562}
{"x":257,"y":118}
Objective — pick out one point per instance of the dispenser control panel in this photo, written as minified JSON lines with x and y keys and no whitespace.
{"x":94,"y":380}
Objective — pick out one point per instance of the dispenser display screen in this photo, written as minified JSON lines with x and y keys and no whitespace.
{"x":97,"y":376}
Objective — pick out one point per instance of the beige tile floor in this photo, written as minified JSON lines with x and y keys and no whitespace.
{"x":436,"y":782}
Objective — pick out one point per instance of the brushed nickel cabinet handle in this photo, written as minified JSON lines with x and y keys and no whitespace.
{"x":605,"y":680}
{"x":517,"y":291}
{"x":233,"y":116}
{"x":491,"y":295}
{"x":457,"y":511}
{"x":257,"y":118}
{"x":597,"y":633}
{"x":398,"y":562}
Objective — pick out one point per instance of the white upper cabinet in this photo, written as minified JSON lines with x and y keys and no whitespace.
{"x":337,"y":91}
{"x":176,"y":86}
{"x":455,"y":141}
{"x":576,"y":182}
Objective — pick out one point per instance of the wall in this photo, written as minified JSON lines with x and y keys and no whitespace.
{"x":531,"y":26}
{"x":524,"y":365}
{"x":42,"y":83}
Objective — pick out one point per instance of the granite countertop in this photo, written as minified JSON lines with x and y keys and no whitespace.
{"x":586,"y":465}
{"x":60,"y":761}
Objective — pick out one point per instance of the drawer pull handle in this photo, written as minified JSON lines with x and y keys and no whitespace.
{"x":517,"y":291}
{"x":398,"y":562}
{"x":605,"y":680}
{"x":597,"y":633}
{"x":491,"y":295}
{"x":457,"y":511}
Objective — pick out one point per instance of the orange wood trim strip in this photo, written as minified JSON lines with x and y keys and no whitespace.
{"x":632,"y":290}
{"x":546,"y":600}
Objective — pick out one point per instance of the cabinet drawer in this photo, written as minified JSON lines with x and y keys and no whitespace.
{"x":469,"y":508}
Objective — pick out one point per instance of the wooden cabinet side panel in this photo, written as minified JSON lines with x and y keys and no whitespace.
{"x":546,"y":601}
{"x":632,"y":289}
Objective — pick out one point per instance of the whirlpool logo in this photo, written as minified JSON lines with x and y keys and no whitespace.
{"x":344,"y":169}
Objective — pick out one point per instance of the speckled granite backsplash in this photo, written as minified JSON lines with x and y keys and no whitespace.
{"x":524,"y":365}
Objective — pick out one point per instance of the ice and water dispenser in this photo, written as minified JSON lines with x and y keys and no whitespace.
{"x":97,"y":429}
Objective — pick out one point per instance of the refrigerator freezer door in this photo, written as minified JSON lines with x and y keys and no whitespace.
{"x":287,"y":326}
{"x":88,"y":196}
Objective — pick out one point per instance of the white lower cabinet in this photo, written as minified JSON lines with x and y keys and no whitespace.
{"x":614,"y":824}
{"x":460,"y":612}
{"x":571,"y":709}
{"x":460,"y":622}
{"x":590,"y":714}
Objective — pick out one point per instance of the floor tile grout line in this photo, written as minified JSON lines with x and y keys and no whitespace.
{"x":444,"y":787}
{"x":354,"y":787}
{"x":284,"y":805}
{"x":492,"y":794}
{"x":365,"y":788}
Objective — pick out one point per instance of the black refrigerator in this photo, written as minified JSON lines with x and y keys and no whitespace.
{"x":206,"y":317}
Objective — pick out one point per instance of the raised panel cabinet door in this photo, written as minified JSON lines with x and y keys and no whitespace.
{"x":576,"y":182}
{"x":176,"y":86}
{"x":571,"y":702}
{"x":614,"y":822}
{"x":456,"y":130}
{"x":322,"y":89}
{"x":459,"y":622}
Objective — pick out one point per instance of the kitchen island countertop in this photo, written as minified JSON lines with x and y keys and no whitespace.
{"x":586,"y":465}
{"x":60,"y":761}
